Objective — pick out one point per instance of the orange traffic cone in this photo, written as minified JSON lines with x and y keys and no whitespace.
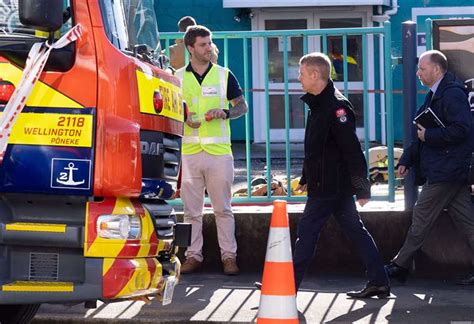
{"x":278,"y":295}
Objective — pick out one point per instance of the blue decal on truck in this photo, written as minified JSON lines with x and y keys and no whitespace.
{"x":28,"y":168}
{"x":70,"y":174}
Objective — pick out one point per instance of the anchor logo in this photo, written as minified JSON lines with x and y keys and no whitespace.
{"x":67,"y":178}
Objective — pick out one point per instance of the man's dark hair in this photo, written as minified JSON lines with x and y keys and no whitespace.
{"x":195,"y":31}
{"x":439,"y":59}
{"x":185,"y":22}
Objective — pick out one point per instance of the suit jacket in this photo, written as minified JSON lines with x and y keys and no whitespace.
{"x":444,"y":155}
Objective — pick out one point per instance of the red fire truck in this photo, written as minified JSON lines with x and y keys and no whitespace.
{"x":90,"y":160}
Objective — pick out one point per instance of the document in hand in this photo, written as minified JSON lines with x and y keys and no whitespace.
{"x":428,"y":119}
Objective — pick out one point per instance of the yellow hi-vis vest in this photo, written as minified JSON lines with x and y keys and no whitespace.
{"x":212,"y":136}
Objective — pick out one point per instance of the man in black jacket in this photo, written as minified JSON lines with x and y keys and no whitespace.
{"x":334,"y":170}
{"x":441,"y":157}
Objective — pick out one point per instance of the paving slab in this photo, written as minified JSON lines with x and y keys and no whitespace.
{"x":213,"y":297}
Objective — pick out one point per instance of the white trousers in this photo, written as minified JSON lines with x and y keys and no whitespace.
{"x":216,"y":174}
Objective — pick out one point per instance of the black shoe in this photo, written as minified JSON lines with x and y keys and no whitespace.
{"x":258,"y":285}
{"x":394,"y":271}
{"x":367,"y":292}
{"x":468,"y":280}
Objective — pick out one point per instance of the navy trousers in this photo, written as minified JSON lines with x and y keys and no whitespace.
{"x":317,"y":211}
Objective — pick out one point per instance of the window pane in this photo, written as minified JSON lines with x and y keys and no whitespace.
{"x":277,"y":112}
{"x":141,"y":23}
{"x":114,"y":23}
{"x":357,"y":101}
{"x":354,"y":49}
{"x":276,"y":48}
{"x":130,"y":22}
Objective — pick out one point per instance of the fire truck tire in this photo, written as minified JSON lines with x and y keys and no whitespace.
{"x":10,"y":314}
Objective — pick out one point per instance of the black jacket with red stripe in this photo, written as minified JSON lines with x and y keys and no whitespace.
{"x":334,"y":163}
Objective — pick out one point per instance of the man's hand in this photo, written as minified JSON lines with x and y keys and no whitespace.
{"x":402,"y":171}
{"x":301,"y":188}
{"x":216,"y":114}
{"x":421,"y":132}
{"x":362,"y":202}
{"x":190,"y":122}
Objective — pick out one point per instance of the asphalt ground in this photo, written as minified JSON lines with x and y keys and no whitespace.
{"x":214,"y":297}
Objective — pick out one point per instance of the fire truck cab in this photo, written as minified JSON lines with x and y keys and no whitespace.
{"x":91,"y":158}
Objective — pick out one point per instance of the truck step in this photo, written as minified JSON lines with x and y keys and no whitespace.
{"x":39,"y":286}
{"x":42,"y":234}
{"x":36,"y":227}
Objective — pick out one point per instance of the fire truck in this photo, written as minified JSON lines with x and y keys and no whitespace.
{"x":92,"y":156}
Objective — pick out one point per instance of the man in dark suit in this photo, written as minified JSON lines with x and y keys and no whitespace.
{"x":441,"y":157}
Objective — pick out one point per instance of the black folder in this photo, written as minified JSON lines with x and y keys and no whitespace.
{"x":428,"y":119}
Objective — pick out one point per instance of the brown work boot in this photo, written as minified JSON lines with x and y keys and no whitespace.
{"x":191,"y":265}
{"x":230,"y":267}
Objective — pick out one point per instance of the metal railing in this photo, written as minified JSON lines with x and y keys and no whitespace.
{"x":383,"y":54}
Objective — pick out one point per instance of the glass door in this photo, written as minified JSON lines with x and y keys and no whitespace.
{"x":275,"y":21}
{"x":354,"y":61}
{"x":305,"y":20}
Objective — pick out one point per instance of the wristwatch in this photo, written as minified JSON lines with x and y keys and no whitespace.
{"x":227,"y":113}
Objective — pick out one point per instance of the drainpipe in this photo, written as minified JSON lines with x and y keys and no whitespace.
{"x":381,"y":18}
{"x":394,"y":9}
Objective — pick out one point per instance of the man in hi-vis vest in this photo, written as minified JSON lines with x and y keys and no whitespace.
{"x":207,"y":156}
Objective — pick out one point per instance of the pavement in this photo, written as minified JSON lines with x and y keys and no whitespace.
{"x":216,"y":298}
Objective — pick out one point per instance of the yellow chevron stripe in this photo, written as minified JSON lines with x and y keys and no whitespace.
{"x":155,"y":281}
{"x":36,"y":227}
{"x":140,"y":279}
{"x":123,"y":206}
{"x":86,"y":243}
{"x":108,"y":262}
{"x":102,"y":247}
{"x":147,"y":230}
{"x":42,"y":95}
{"x":39,"y":286}
{"x":111,"y":248}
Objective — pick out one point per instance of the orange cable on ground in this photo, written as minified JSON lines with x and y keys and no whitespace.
{"x":278,"y":296}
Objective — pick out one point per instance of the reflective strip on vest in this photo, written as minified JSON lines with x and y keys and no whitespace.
{"x":223,"y":102}
{"x":223,"y":88}
{"x":206,"y":140}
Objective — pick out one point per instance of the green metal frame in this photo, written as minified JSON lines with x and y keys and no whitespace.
{"x":429,"y":34}
{"x":385,"y":36}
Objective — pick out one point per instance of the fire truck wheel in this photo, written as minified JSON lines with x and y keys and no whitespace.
{"x":10,"y":314}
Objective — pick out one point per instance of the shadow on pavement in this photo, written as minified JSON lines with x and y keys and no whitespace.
{"x":217,"y":298}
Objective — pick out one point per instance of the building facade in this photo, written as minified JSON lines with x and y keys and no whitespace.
{"x":246,"y":15}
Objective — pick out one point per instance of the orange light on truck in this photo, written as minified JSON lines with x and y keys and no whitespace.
{"x":6,"y":91}
{"x":118,"y":226}
{"x":158,"y":101}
